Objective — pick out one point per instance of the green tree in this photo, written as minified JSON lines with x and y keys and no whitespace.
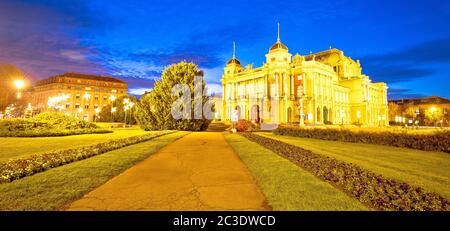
{"x":118,"y":116}
{"x":433,"y":115}
{"x":153,"y":112}
{"x":394,"y":110}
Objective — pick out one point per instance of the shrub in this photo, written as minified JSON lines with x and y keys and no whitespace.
{"x":243,"y":125}
{"x":62,"y":121}
{"x":16,"y":125}
{"x":369,"y":188}
{"x":439,"y":141}
{"x":47,"y":124}
{"x":18,"y":168}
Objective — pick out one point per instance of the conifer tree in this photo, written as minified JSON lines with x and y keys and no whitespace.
{"x":153,"y":112}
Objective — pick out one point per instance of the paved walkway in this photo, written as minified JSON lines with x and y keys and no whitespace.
{"x":197,"y":172}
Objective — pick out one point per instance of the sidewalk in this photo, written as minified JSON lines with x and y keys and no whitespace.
{"x":197,"y":172}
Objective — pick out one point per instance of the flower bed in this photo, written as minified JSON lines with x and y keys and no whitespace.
{"x":18,"y":168}
{"x":439,"y":141}
{"x":50,"y":133}
{"x":371,"y":189}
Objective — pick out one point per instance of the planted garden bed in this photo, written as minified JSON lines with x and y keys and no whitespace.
{"x":18,"y":168}
{"x":46,"y":125}
{"x":439,"y":141}
{"x":51,"y":133}
{"x":371,"y":189}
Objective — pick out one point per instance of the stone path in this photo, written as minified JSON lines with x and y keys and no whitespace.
{"x":197,"y":172}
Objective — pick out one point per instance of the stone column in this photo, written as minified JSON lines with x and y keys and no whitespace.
{"x":302,"y":120}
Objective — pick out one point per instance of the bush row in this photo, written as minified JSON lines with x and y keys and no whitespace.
{"x":439,"y":141}
{"x":49,"y":133}
{"x":18,"y":168}
{"x":369,"y":188}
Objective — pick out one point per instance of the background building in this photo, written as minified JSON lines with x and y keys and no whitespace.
{"x":79,"y":95}
{"x":322,"y":88}
{"x":427,"y":111}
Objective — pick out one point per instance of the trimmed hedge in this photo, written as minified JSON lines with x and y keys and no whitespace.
{"x":27,"y":166}
{"x":369,"y":188}
{"x":439,"y":141}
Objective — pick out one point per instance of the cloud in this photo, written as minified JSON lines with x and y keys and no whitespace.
{"x":408,"y":64}
{"x":213,"y":89}
{"x":42,"y":42}
{"x":402,"y":93}
{"x":204,"y":48}
{"x":429,"y":52}
{"x":73,"y":55}
{"x":139,"y":91}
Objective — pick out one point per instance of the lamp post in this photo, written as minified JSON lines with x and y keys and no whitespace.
{"x":112,"y":98}
{"x":19,"y":85}
{"x":302,"y":119}
{"x":97,"y":111}
{"x":358,"y":115}
{"x":131,"y":105}
{"x":126,"y":102}
{"x":80,"y":111}
{"x":417,"y":116}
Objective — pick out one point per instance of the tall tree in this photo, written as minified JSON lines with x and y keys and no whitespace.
{"x":154,"y":110}
{"x":394,"y":110}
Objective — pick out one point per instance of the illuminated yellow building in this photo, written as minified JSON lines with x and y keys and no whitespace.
{"x":322,"y":88}
{"x":79,"y":95}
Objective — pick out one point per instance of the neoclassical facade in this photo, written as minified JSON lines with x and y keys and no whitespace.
{"x":321,"y":88}
{"x":78,"y":95}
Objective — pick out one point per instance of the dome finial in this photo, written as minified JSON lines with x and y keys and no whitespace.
{"x":278,"y":39}
{"x":234,"y":50}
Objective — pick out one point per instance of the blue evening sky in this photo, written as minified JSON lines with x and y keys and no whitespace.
{"x":404,"y":43}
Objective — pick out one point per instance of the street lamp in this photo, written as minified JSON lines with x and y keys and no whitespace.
{"x":97,"y":111}
{"x":19,"y":85}
{"x":112,"y":98}
{"x":131,"y":105}
{"x":127,"y":105}
{"x":86,"y":96}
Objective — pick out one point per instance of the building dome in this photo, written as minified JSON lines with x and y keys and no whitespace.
{"x":234,"y":60}
{"x":278,"y":45}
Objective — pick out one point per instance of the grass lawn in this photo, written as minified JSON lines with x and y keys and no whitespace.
{"x":12,"y":147}
{"x":430,"y":170}
{"x":287,"y":186}
{"x":58,"y":187}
